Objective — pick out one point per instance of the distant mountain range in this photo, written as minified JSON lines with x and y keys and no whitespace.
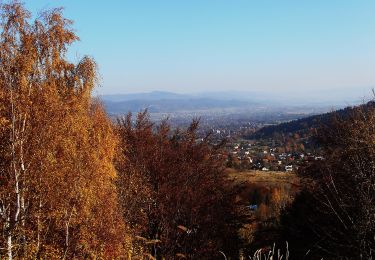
{"x":168,"y":102}
{"x":154,"y":95}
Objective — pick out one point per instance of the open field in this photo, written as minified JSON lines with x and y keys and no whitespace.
{"x":267,"y":178}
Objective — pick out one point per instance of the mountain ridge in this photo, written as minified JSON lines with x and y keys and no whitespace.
{"x":306,"y":123}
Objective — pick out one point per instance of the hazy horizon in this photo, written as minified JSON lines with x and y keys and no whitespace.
{"x":293,"y":48}
{"x":342,"y":97}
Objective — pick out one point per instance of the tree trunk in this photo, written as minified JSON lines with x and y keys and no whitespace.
{"x":9,"y":246}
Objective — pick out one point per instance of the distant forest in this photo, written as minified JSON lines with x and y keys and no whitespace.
{"x":305,"y":125}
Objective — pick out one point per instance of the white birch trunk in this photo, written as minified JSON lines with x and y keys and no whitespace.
{"x":9,"y":246}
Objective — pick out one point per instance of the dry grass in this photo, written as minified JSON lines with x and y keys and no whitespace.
{"x":274,"y":254}
{"x":263,"y":177}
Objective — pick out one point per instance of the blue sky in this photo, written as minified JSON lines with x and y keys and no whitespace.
{"x":215,"y":45}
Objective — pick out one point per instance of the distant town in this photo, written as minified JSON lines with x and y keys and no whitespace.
{"x":266,"y":155}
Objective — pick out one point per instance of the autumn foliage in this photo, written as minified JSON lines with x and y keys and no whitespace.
{"x":57,"y":192}
{"x":176,"y":199}
{"x":333,"y":217}
{"x":75,"y":185}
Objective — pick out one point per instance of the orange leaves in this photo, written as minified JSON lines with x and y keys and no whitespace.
{"x":56,"y":144}
{"x":169,"y":183}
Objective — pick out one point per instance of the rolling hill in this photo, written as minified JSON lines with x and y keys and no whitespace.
{"x":304,"y":125}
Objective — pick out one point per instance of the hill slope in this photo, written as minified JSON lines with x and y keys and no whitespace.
{"x":306,"y":124}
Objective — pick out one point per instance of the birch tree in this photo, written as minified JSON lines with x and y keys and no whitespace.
{"x":57,"y":192}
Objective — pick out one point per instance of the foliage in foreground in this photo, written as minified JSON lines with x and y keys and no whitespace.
{"x":174,"y":190}
{"x":273,"y":254}
{"x":73,"y":186}
{"x":334,"y":217}
{"x":57,"y":192}
{"x":60,"y":194}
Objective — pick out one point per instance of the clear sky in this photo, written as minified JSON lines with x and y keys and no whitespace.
{"x":213,"y":45}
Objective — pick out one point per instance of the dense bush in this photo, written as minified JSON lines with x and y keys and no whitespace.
{"x":174,"y":191}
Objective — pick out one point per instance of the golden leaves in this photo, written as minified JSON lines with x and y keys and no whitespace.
{"x":60,"y":136}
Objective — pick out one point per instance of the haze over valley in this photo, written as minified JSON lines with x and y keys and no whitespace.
{"x":230,"y":106}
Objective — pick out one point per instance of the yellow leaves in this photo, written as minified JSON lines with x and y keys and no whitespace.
{"x":181,"y":256}
{"x":153,"y":242}
{"x":149,"y":256}
{"x":68,"y":140}
{"x":182,"y":228}
{"x":4,"y":122}
{"x":141,"y":238}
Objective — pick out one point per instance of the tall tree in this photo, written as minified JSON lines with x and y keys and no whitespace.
{"x":57,"y":193}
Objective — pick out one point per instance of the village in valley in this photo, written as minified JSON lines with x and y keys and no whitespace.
{"x":266,"y":155}
{"x":251,"y":143}
{"x":245,"y":149}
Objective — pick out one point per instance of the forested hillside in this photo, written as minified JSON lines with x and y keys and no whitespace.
{"x":304,"y":125}
{"x":333,"y":216}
